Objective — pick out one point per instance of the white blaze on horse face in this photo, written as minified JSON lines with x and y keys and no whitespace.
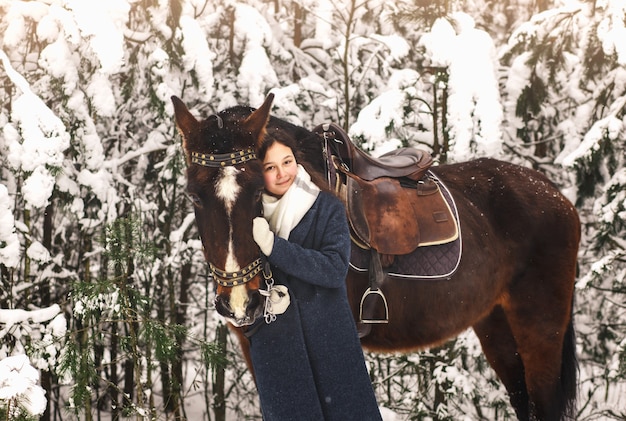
{"x":238,"y":293}
{"x":238,"y":302}
{"x":227,"y":190}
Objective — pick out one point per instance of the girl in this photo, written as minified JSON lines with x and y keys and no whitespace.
{"x":308,"y":363}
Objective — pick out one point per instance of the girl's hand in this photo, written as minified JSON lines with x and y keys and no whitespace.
{"x":262,"y":235}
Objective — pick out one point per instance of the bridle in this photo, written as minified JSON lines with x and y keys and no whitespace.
{"x":245,"y":275}
{"x":240,"y":277}
{"x":220,"y":160}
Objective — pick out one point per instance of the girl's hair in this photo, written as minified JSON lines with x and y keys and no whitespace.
{"x":277,"y":136}
{"x":289,"y":141}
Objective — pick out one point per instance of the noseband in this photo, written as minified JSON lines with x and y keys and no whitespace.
{"x":231,"y":279}
{"x":242,"y":276}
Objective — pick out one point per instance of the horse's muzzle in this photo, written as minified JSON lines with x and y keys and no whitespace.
{"x":240,"y":313}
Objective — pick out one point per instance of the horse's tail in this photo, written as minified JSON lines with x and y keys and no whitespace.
{"x":569,"y":373}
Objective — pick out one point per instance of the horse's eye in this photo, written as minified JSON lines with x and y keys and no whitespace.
{"x":195,"y":199}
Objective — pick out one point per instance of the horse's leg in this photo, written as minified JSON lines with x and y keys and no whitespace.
{"x":500,"y":348}
{"x":539,"y":314}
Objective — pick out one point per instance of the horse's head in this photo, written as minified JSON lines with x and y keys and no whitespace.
{"x":224,"y":182}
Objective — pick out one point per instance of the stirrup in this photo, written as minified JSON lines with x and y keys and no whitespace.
{"x":380,"y":294}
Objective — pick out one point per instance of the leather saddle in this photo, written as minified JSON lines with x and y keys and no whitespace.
{"x":404,"y":162}
{"x":392,"y":205}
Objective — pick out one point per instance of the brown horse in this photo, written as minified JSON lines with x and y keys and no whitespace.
{"x":514,"y":284}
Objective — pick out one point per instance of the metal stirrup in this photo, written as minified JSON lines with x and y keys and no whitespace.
{"x":380,"y":294}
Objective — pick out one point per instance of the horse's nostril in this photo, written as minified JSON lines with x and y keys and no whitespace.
{"x":222,"y":306}
{"x":254,"y":300}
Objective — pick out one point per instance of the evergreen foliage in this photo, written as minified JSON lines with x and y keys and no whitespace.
{"x":102,"y":279}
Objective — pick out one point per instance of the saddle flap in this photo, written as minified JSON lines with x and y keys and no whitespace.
{"x":394,"y":219}
{"x":356,"y":217}
{"x":437,"y":222}
{"x":381,"y":215}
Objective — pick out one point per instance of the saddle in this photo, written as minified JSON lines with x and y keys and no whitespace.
{"x":392,"y":205}
{"x":404,"y":162}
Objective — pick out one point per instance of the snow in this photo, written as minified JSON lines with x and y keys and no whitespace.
{"x":10,"y":317}
{"x":100,"y":91}
{"x":398,"y":46}
{"x":9,"y":242}
{"x":377,"y":116}
{"x":45,"y":137}
{"x":101,"y":184}
{"x":475,"y":111}
{"x":19,"y":382}
{"x":20,"y":11}
{"x":45,"y":140}
{"x":609,"y":128}
{"x":256,"y":73}
{"x":323,"y":9}
{"x":38,"y":188}
{"x":197,"y":55}
{"x":35,"y":142}
{"x":437,"y":43}
{"x":38,"y":252}
{"x":612,"y":30}
{"x":516,"y":81}
{"x":103,"y":23}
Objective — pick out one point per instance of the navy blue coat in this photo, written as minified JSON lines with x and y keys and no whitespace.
{"x":309,"y":364}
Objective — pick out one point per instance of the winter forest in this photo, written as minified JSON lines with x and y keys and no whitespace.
{"x":106,"y":304}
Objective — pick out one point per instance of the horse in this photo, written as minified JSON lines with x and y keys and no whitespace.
{"x":514,"y":285}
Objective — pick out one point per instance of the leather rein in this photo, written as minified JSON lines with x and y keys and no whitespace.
{"x":245,"y":275}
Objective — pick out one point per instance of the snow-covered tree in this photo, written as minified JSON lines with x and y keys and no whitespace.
{"x":566,"y":98}
{"x":102,"y":279}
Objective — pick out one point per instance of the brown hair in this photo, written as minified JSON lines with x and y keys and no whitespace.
{"x":281,"y":137}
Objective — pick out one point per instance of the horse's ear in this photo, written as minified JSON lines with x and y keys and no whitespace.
{"x":257,"y":121}
{"x":185,"y":121}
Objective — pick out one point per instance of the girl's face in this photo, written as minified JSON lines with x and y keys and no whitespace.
{"x":279,"y":169}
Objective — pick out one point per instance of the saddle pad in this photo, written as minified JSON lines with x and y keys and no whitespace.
{"x":425,"y":262}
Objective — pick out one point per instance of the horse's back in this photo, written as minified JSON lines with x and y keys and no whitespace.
{"x":518,"y":203}
{"x":519,"y":232}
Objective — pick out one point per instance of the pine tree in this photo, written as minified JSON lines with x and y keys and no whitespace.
{"x":573,"y":110}
{"x":93,"y":216}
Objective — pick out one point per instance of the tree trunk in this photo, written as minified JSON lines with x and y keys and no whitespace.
{"x":298,"y":18}
{"x":219,"y":382}
{"x":44,"y":291}
{"x":112,"y":389}
{"x":346,"y":66}
{"x":179,"y":313}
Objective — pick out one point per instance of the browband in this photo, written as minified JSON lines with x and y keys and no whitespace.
{"x":222,"y":159}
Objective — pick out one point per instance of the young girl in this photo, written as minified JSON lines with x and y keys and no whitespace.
{"x":308,"y":363}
